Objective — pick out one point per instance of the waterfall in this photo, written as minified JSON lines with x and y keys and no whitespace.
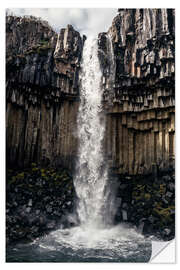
{"x":93,"y":240}
{"x":92,"y":174}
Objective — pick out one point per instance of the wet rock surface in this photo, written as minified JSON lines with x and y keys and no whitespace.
{"x":38,"y":200}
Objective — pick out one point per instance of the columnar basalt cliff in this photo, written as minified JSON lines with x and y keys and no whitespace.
{"x":43,"y":89}
{"x":137,"y":58}
{"x":140,"y":122}
{"x":42,"y":92}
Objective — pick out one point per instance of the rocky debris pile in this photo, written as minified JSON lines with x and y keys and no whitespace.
{"x":149,"y":203}
{"x":38,"y":200}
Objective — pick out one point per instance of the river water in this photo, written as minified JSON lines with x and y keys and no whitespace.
{"x":96,"y":239}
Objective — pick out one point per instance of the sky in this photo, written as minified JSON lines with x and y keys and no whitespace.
{"x":88,"y":21}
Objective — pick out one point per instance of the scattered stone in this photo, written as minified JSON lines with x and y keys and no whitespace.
{"x":164,"y":199}
{"x":141,"y":227}
{"x":118,"y":201}
{"x":15,"y":203}
{"x":172,"y":211}
{"x":166,"y":178}
{"x":171,"y":186}
{"x":30,"y":202}
{"x":28,"y":209}
{"x":31,"y":210}
{"x":124,"y":215}
{"x":51,"y":225}
{"x":167,"y":231}
{"x":169,"y":194}
{"x":69,"y":203}
{"x":125,"y":206}
{"x":49,"y":209}
{"x":151,"y":219}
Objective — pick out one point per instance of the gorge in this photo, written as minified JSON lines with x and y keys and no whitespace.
{"x":104,"y":111}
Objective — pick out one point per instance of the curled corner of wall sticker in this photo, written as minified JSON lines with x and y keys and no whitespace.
{"x":163,"y":252}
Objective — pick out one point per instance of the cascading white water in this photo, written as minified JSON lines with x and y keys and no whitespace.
{"x":93,"y":239}
{"x":91,"y":178}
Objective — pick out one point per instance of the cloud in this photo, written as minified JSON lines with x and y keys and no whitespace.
{"x":88,"y":21}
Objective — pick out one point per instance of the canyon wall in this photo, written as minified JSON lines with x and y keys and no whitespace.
{"x":140,"y":109}
{"x":42,"y":90}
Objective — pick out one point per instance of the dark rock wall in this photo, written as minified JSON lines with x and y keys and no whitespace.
{"x":140,"y":120}
{"x":42,"y":92}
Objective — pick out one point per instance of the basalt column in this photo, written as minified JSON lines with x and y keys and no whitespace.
{"x":42,"y":92}
{"x":140,"y":116}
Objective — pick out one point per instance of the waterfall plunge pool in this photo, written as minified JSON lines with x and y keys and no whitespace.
{"x":82,"y":244}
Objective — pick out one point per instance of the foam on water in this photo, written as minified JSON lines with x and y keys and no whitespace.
{"x":112,"y":244}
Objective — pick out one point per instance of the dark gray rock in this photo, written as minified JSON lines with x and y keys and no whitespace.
{"x":124,"y":215}
{"x":141,"y":227}
{"x":51,"y":224}
{"x":49,"y":209}
{"x":151,"y":219}
{"x":166,"y":231}
{"x":164,"y":200}
{"x":166,"y":178}
{"x":118,"y":201}
{"x":125,"y":206}
{"x":171,"y":186}
{"x":30,"y":202}
{"x":169,"y":194}
{"x":38,"y":211}
{"x":28,"y":209}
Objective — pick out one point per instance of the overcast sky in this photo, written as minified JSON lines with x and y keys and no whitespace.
{"x":88,"y":21}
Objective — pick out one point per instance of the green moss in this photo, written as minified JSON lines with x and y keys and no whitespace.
{"x":162,"y":189}
{"x":35,"y":169}
{"x":39,"y":49}
{"x":140,"y":187}
{"x":164,"y":213}
{"x":43,"y":42}
{"x":147,"y":196}
{"x":12,"y":180}
{"x":43,"y":50}
{"x":20,"y":175}
{"x":33,"y":164}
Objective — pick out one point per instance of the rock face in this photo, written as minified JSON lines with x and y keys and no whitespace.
{"x":140,"y":121}
{"x":42,"y":91}
{"x":42,"y":87}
